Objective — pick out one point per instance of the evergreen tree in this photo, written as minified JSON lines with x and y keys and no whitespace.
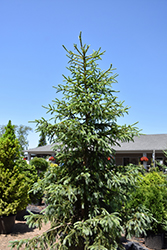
{"x":21,"y":133}
{"x":13,"y":182}
{"x":86,"y":191}
{"x":9,"y":147}
{"x":42,"y":139}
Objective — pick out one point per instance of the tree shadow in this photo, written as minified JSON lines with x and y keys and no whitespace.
{"x":21,"y":228}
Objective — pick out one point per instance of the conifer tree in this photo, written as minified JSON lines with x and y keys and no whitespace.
{"x":13,"y":183}
{"x":42,"y":139}
{"x":21,"y":133}
{"x":85,"y":192}
{"x":9,"y":147}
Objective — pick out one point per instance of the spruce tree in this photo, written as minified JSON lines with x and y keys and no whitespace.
{"x":85,"y":192}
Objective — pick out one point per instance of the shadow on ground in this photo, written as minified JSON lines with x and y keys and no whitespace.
{"x":21,"y":228}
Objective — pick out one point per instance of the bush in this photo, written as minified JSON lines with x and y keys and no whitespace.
{"x":13,"y":191}
{"x":31,"y":176}
{"x":40,"y":163}
{"x":28,"y":170}
{"x":152,"y":193}
{"x":50,"y":177}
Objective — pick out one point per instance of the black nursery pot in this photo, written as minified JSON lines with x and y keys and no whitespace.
{"x":7,"y":223}
{"x":155,"y":241}
{"x":20,"y":215}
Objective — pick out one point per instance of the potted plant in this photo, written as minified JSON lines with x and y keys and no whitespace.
{"x":51,"y":158}
{"x":31,"y":176}
{"x":152,"y":194}
{"x":13,"y":197}
{"x":13,"y":184}
{"x":144,"y":158}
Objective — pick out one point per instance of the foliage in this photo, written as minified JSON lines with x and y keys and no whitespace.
{"x":42,"y":139}
{"x":13,"y":191}
{"x":152,"y":193}
{"x":31,"y":177}
{"x":40,"y":163}
{"x":85,"y":192}
{"x":21,"y":132}
{"x":49,"y":177}
{"x":9,"y":147}
{"x":134,"y":221}
{"x":41,"y":166}
{"x":13,"y":185}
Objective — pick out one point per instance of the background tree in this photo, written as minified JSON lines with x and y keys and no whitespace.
{"x":42,"y":139}
{"x":2,"y":130}
{"x":85,"y":194}
{"x":21,"y":133}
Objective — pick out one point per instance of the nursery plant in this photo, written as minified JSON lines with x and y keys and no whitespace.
{"x":31,"y":176}
{"x":9,"y":147}
{"x":13,"y":186}
{"x":85,"y":192}
{"x":41,"y":166}
{"x":40,"y":163}
{"x":21,"y":133}
{"x":152,"y":194}
{"x":13,"y":191}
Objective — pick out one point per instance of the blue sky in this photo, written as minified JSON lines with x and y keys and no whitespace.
{"x":32,"y":59}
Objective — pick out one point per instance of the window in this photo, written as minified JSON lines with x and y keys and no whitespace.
{"x":126,"y":161}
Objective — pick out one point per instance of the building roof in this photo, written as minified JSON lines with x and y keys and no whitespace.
{"x":142,"y":143}
{"x":157,"y":142}
{"x":47,"y":149}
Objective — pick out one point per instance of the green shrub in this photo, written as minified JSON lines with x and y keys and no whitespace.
{"x":13,"y":191}
{"x":41,"y":166}
{"x":49,"y":178}
{"x":28,"y":170}
{"x":31,"y":175}
{"x":40,"y":163}
{"x":152,"y":193}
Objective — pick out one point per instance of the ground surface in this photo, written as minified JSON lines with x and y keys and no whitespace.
{"x":22,"y":231}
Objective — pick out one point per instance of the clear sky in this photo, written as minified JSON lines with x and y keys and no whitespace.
{"x":32,"y":59}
